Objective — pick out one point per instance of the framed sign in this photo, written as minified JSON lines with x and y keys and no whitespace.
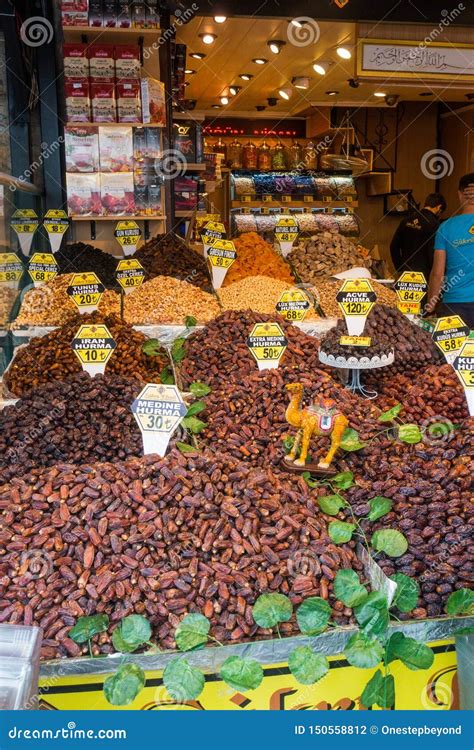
{"x":422,"y":59}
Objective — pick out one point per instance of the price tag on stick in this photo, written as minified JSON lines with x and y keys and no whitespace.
{"x":93,"y":346}
{"x":128,"y":234}
{"x":464,"y":366}
{"x":25,"y":223}
{"x":158,"y":409}
{"x":11,"y":269}
{"x":221,"y":255}
{"x":212,"y":231}
{"x":56,"y":224}
{"x":130,"y":274}
{"x":411,"y":287}
{"x":267,"y":344}
{"x":286,"y":233}
{"x":42,"y":268}
{"x":293,"y":305}
{"x":356,"y":298}
{"x":449,"y":335}
{"x":85,"y":291}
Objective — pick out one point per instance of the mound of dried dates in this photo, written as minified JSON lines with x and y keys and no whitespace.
{"x":160,"y":537}
{"x":168,"y":255}
{"x":79,"y":257}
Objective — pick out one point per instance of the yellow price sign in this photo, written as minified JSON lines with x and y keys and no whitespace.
{"x":212,"y":231}
{"x":286,"y":233}
{"x":93,"y":345}
{"x":130,"y":274}
{"x":128,"y":234}
{"x":356,"y":297}
{"x":222,"y":254}
{"x":25,"y":222}
{"x":464,"y":364}
{"x":293,"y":305}
{"x":42,"y":267}
{"x":355,"y":341}
{"x":267,"y":344}
{"x":411,"y":287}
{"x":56,"y":221}
{"x":11,"y":268}
{"x":450,"y":333}
{"x":85,"y":290}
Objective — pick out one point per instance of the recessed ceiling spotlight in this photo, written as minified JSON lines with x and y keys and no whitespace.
{"x":300,"y":82}
{"x":189,"y":71}
{"x":208,"y":38}
{"x":224,"y":100}
{"x":345,"y":53}
{"x":234,"y":90}
{"x":272,"y":101}
{"x":379,"y":94}
{"x":276,"y":46}
{"x":332,"y":93}
{"x":259,"y":60}
{"x":260,"y":107}
{"x":197,"y":55}
{"x":321,"y":67}
{"x":298,"y":23}
{"x":285,"y":93}
{"x":220,"y":19}
{"x":216,"y":106}
{"x":354,"y":83}
{"x":186,"y":83}
{"x":245,"y":76}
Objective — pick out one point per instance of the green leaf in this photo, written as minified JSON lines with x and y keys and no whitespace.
{"x":390,"y":414}
{"x":166,"y":376}
{"x":379,"y":506}
{"x":410,"y":433}
{"x":186,"y":448}
{"x":464,"y":631}
{"x":372,"y":614}
{"x":199,"y":389}
{"x":288,"y":443}
{"x":350,"y":440}
{"x":331,"y":504}
{"x":194,"y":425}
{"x":343,"y":480}
{"x":348,"y":589}
{"x":192,"y":632}
{"x":190,"y":321}
{"x":151,"y":347}
{"x":379,"y":690}
{"x":121,"y":688}
{"x":313,"y":615}
{"x":196,"y":408}
{"x":390,"y":541}
{"x":306,"y":666}
{"x":340,"y":532}
{"x":182,"y":681}
{"x":270,"y":609}
{"x":460,"y":602}
{"x":132,"y":632}
{"x":86,"y":627}
{"x":241,"y":674}
{"x":414,"y":654}
{"x":309,"y":481}
{"x":178,"y":352}
{"x":363,"y":651}
{"x":406,"y":594}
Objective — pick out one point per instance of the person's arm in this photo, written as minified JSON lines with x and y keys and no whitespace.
{"x":436,"y":279}
{"x":396,"y":247}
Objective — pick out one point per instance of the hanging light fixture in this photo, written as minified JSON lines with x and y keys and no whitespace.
{"x":300,"y":82}
{"x":259,"y":60}
{"x":379,"y":94}
{"x":220,"y":19}
{"x":343,"y":52}
{"x":224,"y":100}
{"x":245,"y":76}
{"x":197,"y":55}
{"x":321,"y":67}
{"x":285,"y":93}
{"x":276,"y":45}
{"x":189,"y":71}
{"x":234,"y":90}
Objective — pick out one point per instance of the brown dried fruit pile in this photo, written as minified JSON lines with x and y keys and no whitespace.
{"x":168,"y":255}
{"x":436,"y":392}
{"x":51,"y":357}
{"x":160,"y":537}
{"x":79,"y":420}
{"x":432,"y":490}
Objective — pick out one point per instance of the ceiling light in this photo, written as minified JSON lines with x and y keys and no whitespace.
{"x":208,"y":38}
{"x":216,"y":106}
{"x":285,"y":93}
{"x":189,"y":71}
{"x":300,"y":82}
{"x":321,"y":68}
{"x":380,"y":94}
{"x":186,"y":83}
{"x":298,"y":24}
{"x":245,"y":76}
{"x":224,"y":100}
{"x":345,"y":53}
{"x":276,"y":46}
{"x":260,"y":107}
{"x":234,"y":90}
{"x":332,"y":93}
{"x":272,"y":101}
{"x":259,"y":60}
{"x":430,"y":93}
{"x":197,"y":55}
{"x":220,"y":19}
{"x":354,"y":83}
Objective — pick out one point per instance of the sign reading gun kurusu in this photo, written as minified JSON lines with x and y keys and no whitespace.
{"x":158,"y":410}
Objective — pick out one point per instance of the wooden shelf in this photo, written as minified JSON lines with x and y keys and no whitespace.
{"x":112,"y":125}
{"x":195,"y":167}
{"x":74,"y":33}
{"x":134,"y":217}
{"x":294,"y":204}
{"x":189,"y":213}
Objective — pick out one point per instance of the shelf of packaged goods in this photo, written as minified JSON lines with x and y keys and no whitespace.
{"x":113,"y":125}
{"x":134,"y":217}
{"x":294,"y":204}
{"x":74,"y":33}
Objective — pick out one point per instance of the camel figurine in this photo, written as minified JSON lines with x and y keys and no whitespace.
{"x":321,"y":419}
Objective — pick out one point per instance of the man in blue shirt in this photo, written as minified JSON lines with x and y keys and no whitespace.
{"x":452,"y":276}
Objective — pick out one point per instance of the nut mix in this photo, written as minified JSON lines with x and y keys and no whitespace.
{"x":259,"y":293}
{"x":166,"y":300}
{"x":51,"y":357}
{"x":160,"y":537}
